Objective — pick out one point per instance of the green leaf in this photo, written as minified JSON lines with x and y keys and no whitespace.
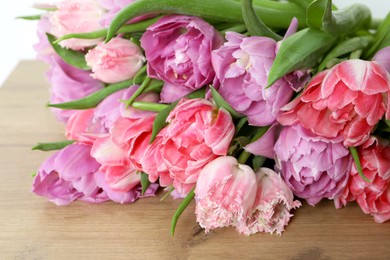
{"x":29,"y":17}
{"x":138,"y":92}
{"x":381,"y":38}
{"x":215,"y":10}
{"x":258,"y":162}
{"x":253,"y":23}
{"x":183,"y":205}
{"x":160,"y":120}
{"x":300,"y":51}
{"x":387,"y":122}
{"x":74,"y":58}
{"x":345,"y":47}
{"x":145,"y":183}
{"x":95,"y":98}
{"x":52,"y":146}
{"x":356,"y":159}
{"x":320,"y":16}
{"x":222,"y":103}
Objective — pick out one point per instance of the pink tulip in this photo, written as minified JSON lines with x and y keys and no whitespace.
{"x":373,"y":197}
{"x":68,"y":83}
{"x":76,"y":16}
{"x":271,"y":210}
{"x":121,"y":153}
{"x":313,"y":167}
{"x":242,"y":65}
{"x":43,"y":47}
{"x":178,"y":50}
{"x":198,"y":132}
{"x":86,"y":126}
{"x":115,"y":61}
{"x":335,"y":103}
{"x":224,"y":193}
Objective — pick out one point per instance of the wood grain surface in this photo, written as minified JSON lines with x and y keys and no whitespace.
{"x":33,"y":228}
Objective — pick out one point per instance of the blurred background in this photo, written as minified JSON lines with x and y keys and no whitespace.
{"x":18,"y":36}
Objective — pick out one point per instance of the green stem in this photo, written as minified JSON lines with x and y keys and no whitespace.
{"x":149,"y":106}
{"x":138,"y":92}
{"x":244,"y":156}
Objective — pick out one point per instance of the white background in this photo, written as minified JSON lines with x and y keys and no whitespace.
{"x":18,"y":36}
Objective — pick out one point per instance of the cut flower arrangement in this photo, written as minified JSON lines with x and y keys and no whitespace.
{"x":246,"y":107}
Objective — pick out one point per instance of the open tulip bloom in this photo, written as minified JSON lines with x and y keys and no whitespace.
{"x":245,"y":112}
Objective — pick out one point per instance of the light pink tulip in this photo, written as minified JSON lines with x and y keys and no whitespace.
{"x":115,"y":61}
{"x":198,"y":132}
{"x":335,"y":103}
{"x":76,"y":16}
{"x":271,"y":210}
{"x":373,"y":197}
{"x":224,"y":193}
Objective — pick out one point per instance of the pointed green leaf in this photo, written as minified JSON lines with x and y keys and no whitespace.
{"x":222,"y":103}
{"x":387,"y":122}
{"x":315,"y":13}
{"x":258,"y":162}
{"x":321,"y":16}
{"x":145,"y":183}
{"x":95,"y":98}
{"x":52,"y":146}
{"x":345,"y":47}
{"x":302,"y":50}
{"x":381,"y":38}
{"x":128,"y":28}
{"x":183,"y":205}
{"x":29,"y":17}
{"x":216,"y":10}
{"x":356,"y":159}
{"x":74,"y":58}
{"x":160,"y":120}
{"x":255,"y":26}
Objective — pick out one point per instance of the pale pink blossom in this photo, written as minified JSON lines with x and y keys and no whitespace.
{"x":345,"y":101}
{"x":271,"y":209}
{"x":76,"y":16}
{"x":115,"y":61}
{"x":224,"y":193}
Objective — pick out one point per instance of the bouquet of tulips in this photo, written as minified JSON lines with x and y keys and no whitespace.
{"x":247,"y":107}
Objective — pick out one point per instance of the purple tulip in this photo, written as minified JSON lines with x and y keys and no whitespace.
{"x":242,"y":65}
{"x":69,"y":83}
{"x":68,"y":175}
{"x":313,"y":167}
{"x":178,"y":50}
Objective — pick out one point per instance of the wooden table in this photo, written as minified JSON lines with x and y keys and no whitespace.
{"x":33,"y":228}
